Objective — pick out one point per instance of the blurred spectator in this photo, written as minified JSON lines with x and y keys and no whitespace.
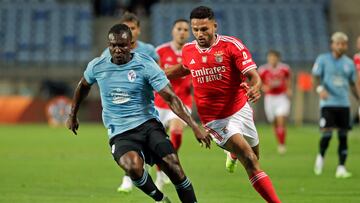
{"x":115,"y":7}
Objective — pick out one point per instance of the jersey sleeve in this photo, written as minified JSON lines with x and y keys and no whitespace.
{"x":155,"y":76}
{"x":106,"y":53}
{"x":242,"y":55}
{"x":152,"y":53}
{"x":318,"y":67}
{"x":89,"y":72}
{"x":287,"y":71}
{"x":353,"y":74}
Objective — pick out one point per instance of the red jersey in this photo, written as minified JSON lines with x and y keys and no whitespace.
{"x":357,"y":61}
{"x":275,"y":78}
{"x":217,"y":73}
{"x":182,"y":86}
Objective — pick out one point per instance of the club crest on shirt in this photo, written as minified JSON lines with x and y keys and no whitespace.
{"x":131,"y":75}
{"x":219,"y":56}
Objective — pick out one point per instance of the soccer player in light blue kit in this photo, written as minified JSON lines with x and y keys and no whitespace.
{"x":133,"y":22}
{"x":126,"y":82}
{"x":335,"y":74}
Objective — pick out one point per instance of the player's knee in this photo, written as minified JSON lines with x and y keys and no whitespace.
{"x":133,"y":165}
{"x":173,"y":163}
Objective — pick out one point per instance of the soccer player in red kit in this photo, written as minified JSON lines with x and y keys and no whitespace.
{"x":357,"y":66}
{"x":219,"y":66}
{"x":170,"y":56}
{"x":277,"y":88}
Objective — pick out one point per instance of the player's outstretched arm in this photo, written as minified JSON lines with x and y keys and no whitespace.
{"x":254,"y":85}
{"x":179,"y":109}
{"x":81,"y":91}
{"x":176,"y":71}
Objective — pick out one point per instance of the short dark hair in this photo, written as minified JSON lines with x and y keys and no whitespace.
{"x":130,"y":17}
{"x":274,"y":52}
{"x":120,"y":28}
{"x":202,"y":12}
{"x":180,"y":20}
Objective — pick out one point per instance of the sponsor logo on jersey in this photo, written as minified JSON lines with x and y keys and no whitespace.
{"x":204,"y":75}
{"x":131,"y":75}
{"x":119,"y":96}
{"x":192,"y":61}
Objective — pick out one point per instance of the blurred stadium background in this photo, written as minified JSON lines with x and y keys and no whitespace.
{"x":45,"y":46}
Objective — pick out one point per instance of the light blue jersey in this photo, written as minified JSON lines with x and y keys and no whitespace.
{"x":335,"y":75}
{"x":142,"y":48}
{"x":126,"y":90}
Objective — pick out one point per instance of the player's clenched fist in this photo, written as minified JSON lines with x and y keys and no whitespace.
{"x":72,"y":124}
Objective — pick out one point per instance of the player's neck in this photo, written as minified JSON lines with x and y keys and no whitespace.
{"x":176,"y":45}
{"x":134,"y":44}
{"x":336,"y":55}
{"x":212,"y":42}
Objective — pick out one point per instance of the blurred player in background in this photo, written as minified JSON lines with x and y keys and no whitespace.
{"x":335,"y":74}
{"x":133,"y":22}
{"x":126,"y":82}
{"x":357,"y":65}
{"x":170,"y":56}
{"x":275,"y":76}
{"x":219,"y":66}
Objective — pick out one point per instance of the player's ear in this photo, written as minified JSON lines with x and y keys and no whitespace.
{"x":215,"y":26}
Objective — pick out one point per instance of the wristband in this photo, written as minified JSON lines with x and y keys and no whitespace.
{"x":319,"y":89}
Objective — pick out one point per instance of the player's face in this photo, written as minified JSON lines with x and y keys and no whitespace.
{"x":204,"y":31}
{"x":273,"y":59}
{"x":180,"y":33}
{"x":135,"y":30}
{"x":119,"y":47}
{"x":339,"y":47}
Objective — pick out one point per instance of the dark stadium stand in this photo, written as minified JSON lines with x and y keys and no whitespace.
{"x":297,"y":28}
{"x":45,"y":31}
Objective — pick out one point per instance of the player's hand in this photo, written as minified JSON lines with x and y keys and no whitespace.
{"x":323,"y":94}
{"x":202,"y":137}
{"x":72,"y":123}
{"x":253,"y":93}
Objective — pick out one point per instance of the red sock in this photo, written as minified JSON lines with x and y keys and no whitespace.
{"x":280,"y":134}
{"x":262,"y":184}
{"x":176,"y":138}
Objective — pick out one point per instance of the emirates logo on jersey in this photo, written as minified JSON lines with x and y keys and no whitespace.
{"x":219,"y":56}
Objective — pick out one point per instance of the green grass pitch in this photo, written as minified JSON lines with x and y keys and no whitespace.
{"x":42,"y":164}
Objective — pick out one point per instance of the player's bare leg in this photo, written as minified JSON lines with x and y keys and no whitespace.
{"x":176,"y":127}
{"x":258,"y":178}
{"x":171,"y":166}
{"x":133,"y":165}
{"x":231,"y":159}
{"x":280,"y":132}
